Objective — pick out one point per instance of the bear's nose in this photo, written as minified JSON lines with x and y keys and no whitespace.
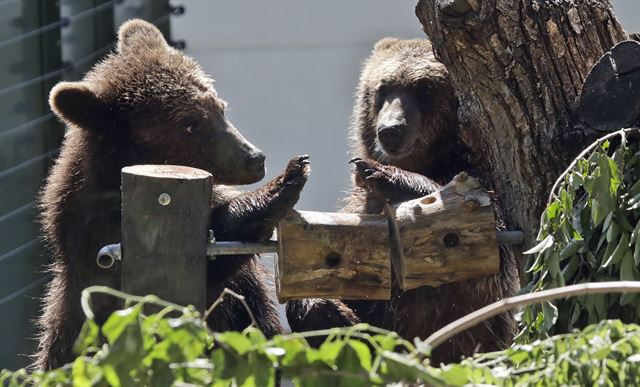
{"x":255,"y":162}
{"x":390,"y":136}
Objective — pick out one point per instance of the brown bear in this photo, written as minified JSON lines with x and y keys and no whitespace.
{"x":148,"y":103}
{"x":406,"y":144}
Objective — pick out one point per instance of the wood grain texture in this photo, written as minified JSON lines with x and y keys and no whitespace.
{"x":333,"y":255}
{"x":447,"y":236}
{"x":164,"y":241}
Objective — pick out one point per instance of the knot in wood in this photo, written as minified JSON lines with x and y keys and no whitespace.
{"x":451,"y":239}
{"x":470,"y":204}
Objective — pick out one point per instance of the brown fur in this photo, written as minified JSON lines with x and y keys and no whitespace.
{"x":148,"y":103}
{"x":434,"y":159}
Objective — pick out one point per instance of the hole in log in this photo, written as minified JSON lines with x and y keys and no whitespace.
{"x":332,"y":259}
{"x":428,"y":200}
{"x":451,"y":239}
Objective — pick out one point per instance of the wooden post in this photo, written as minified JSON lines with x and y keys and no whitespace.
{"x":165,"y":218}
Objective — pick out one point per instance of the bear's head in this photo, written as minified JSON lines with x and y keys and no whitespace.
{"x":406,"y":108}
{"x":148,"y":103}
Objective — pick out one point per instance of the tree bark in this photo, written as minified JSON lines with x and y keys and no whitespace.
{"x":518,"y":67}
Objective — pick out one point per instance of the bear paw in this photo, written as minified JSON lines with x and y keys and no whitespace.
{"x":288,"y":186}
{"x":375,"y":177}
{"x":297,"y":171}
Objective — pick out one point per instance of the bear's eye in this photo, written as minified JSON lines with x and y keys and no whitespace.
{"x":424,"y":91}
{"x":191,"y":126}
{"x":380,"y":95}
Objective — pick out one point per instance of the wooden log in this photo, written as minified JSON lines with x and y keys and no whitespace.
{"x":444,"y":237}
{"x":333,"y":255}
{"x":165,"y":218}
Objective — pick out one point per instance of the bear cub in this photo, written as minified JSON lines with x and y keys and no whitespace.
{"x":406,"y":144}
{"x":148,"y":103}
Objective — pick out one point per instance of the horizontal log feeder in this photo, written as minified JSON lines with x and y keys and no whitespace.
{"x":444,"y":237}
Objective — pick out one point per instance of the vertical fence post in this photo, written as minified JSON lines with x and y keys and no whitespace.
{"x":165,"y":218}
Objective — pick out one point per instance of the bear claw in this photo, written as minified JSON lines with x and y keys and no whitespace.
{"x":297,"y":171}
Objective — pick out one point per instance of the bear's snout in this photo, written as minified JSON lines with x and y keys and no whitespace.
{"x":254,"y":163}
{"x":391,"y":136}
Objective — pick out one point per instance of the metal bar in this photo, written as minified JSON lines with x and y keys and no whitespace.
{"x":510,"y":237}
{"x":111,"y":253}
{"x":237,"y":248}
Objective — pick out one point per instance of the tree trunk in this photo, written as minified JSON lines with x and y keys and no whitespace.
{"x":518,"y":67}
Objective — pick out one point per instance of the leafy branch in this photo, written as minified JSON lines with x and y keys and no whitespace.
{"x":588,"y":233}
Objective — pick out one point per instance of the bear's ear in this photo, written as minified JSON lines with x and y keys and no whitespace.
{"x":136,"y":34}
{"x":78,"y":104}
{"x":385,"y":44}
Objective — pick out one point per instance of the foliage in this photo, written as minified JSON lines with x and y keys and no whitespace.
{"x":589,"y":233}
{"x":603,"y":354}
{"x":174,"y":347}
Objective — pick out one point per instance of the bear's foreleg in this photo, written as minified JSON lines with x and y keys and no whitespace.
{"x":253,"y":216}
{"x":250,"y":282}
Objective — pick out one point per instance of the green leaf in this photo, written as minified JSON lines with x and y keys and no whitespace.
{"x":235,"y":340}
{"x":627,"y":267}
{"x":293,"y":350}
{"x":261,"y":374}
{"x":612,"y":232}
{"x":228,"y":365}
{"x":552,"y":211}
{"x":255,"y":335}
{"x":386,"y":342}
{"x":550,"y":315}
{"x":619,"y":252}
{"x":119,"y":321}
{"x":350,"y":362}
{"x":636,"y":249}
{"x":363,"y":353}
{"x":635,"y":189}
{"x":79,"y":374}
{"x":403,"y":368}
{"x":89,"y":337}
{"x":543,"y":245}
{"x":600,"y":305}
{"x":553,"y":263}
{"x":635,"y":233}
{"x":571,"y":268}
{"x":597,"y":213}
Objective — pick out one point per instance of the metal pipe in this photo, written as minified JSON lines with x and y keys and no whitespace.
{"x":108,"y":255}
{"x":111,"y":253}
{"x":510,"y":237}
{"x":233,"y":248}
